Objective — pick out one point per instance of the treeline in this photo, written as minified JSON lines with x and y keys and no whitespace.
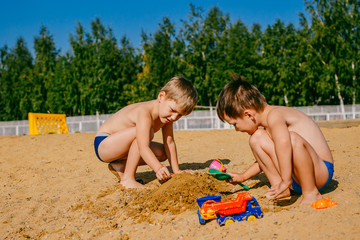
{"x":314,"y":64}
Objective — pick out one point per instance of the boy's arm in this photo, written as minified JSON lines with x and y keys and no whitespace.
{"x":280,"y":134}
{"x":170,"y":146}
{"x":143,"y":138}
{"x":252,"y":171}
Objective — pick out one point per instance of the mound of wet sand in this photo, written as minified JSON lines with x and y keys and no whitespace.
{"x":173,"y":197}
{"x":176,"y":195}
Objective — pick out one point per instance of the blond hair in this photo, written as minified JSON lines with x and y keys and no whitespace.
{"x":237,"y":96}
{"x":182,"y":92}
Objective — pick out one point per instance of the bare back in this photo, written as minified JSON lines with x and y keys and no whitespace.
{"x":127,"y":117}
{"x":303,"y":125}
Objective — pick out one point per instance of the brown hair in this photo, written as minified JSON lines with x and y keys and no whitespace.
{"x":182,"y":92}
{"x":237,"y":96}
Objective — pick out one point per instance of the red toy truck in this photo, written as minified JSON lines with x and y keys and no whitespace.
{"x":244,"y":207}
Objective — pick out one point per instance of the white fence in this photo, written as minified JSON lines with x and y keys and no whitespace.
{"x":199,"y":119}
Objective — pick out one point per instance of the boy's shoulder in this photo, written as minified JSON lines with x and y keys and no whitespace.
{"x":278,"y":113}
{"x":287,"y":115}
{"x":139,"y":105}
{"x":133,"y":110}
{"x":274,"y":110}
{"x":281,"y":110}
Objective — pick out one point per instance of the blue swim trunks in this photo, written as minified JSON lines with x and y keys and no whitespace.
{"x":98,"y":139}
{"x":297,"y":188}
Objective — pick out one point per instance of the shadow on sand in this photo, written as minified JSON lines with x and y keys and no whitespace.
{"x":149,"y":176}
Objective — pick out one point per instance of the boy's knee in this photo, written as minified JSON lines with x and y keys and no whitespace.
{"x":162,"y":159}
{"x":160,"y":154}
{"x":159,"y":151}
{"x":257,"y":138}
{"x":296,"y":139}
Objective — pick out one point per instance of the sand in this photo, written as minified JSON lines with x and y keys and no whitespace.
{"x":53,"y":187}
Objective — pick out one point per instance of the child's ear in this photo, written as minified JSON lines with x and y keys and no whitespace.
{"x":250,"y":113}
{"x":161,"y":96}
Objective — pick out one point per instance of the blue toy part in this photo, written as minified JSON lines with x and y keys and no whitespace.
{"x":201,"y":220}
{"x":200,"y":201}
{"x":253,"y":210}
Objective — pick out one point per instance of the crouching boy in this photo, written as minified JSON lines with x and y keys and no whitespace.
{"x":125,"y":139}
{"x":288,"y":146}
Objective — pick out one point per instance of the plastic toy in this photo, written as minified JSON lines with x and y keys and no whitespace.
{"x":244,"y":207}
{"x":201,"y":201}
{"x":210,"y":214}
{"x":323,"y":203}
{"x":222,"y":176}
{"x":218,"y":165}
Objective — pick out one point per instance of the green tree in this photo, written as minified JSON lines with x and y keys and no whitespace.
{"x":335,"y":44}
{"x":130,"y":68}
{"x":203,"y":39}
{"x":240,"y":54}
{"x":101,"y":70}
{"x":15,"y":67}
{"x":64,"y":92}
{"x":279,"y":65}
{"x":43,"y":75}
{"x":4,"y":51}
{"x":158,"y":61}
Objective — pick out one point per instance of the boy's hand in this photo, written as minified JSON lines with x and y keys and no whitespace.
{"x":236,"y":178}
{"x":163,"y":174}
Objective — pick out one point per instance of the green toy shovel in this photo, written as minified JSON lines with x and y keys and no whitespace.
{"x":222,"y":176}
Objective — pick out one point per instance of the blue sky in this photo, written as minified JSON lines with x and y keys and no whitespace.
{"x":25,"y":17}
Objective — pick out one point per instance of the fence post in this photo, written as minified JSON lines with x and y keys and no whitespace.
{"x":97,"y":120}
{"x":176,"y":125}
{"x":216,"y":123}
{"x":211,"y":117}
{"x":353,"y":111}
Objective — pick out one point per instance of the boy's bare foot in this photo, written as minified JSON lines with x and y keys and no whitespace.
{"x":131,"y":184}
{"x":309,"y":198}
{"x":284,"y":194}
{"x":117,"y":168}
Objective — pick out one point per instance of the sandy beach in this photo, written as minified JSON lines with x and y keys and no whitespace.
{"x":53,"y":187}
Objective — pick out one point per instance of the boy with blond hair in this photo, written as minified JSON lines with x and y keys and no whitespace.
{"x":125,"y":139}
{"x":289,"y":147}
